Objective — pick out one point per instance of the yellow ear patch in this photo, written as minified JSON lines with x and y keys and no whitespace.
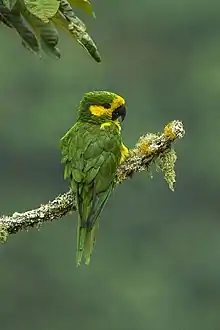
{"x":98,"y":110}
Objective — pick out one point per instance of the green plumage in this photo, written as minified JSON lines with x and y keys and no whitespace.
{"x":91,"y":154}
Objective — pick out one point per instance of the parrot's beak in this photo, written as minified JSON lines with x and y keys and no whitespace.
{"x":119,"y":112}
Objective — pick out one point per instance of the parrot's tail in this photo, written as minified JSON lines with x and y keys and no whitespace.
{"x":85,"y":243}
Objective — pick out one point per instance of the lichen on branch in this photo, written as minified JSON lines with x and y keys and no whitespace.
{"x":151,"y":149}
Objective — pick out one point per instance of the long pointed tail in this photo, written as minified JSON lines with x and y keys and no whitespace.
{"x":85,"y":243}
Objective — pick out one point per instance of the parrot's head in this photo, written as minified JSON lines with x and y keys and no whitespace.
{"x":100,"y":106}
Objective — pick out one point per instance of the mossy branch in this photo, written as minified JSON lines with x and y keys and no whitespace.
{"x":150,"y":149}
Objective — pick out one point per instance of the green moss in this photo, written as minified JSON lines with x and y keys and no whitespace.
{"x":166,"y":164}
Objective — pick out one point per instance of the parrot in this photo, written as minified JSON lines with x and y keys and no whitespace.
{"x":91,"y":152}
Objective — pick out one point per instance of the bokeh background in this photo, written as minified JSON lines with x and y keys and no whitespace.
{"x":156,"y":264}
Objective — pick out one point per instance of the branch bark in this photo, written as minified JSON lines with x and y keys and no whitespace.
{"x":147,"y":151}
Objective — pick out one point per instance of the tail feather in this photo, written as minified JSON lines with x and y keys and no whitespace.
{"x":81,"y":234}
{"x":89,"y":244}
{"x":85,"y":243}
{"x":90,"y":205}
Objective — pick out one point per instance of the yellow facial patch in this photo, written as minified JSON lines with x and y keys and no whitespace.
{"x":117,"y":102}
{"x":98,"y":110}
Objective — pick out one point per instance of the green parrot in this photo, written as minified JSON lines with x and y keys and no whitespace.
{"x":91,"y":152}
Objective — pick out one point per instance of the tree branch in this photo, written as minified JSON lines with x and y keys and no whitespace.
{"x":150,"y":149}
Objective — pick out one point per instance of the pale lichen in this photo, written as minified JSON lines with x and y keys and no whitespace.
{"x":166,"y":164}
{"x":3,"y":233}
{"x":144,"y":145}
{"x":174,"y":130}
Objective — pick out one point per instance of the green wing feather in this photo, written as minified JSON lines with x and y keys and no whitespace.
{"x":91,"y":156}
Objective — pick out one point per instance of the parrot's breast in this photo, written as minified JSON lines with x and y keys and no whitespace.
{"x":115,"y":125}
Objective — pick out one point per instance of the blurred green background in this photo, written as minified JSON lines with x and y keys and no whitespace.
{"x":156,"y":264}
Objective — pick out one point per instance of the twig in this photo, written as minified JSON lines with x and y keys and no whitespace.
{"x":147,"y":151}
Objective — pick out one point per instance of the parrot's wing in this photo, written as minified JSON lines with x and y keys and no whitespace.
{"x":91,"y":156}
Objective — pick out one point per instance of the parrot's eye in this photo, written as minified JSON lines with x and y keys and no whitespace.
{"x":106,"y":105}
{"x":119,"y":112}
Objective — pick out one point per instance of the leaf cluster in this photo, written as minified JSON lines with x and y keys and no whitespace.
{"x":36,"y":21}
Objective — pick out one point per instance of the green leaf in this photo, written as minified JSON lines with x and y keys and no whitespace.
{"x":43,"y":9}
{"x":36,"y":22}
{"x":26,"y":46}
{"x":9,"y":3}
{"x":83,"y":4}
{"x":49,"y":39}
{"x":45,"y":32}
{"x":86,"y":41}
{"x":4,"y":20}
{"x":26,"y":34}
{"x":15,"y":19}
{"x":69,"y":14}
{"x":66,"y":19}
